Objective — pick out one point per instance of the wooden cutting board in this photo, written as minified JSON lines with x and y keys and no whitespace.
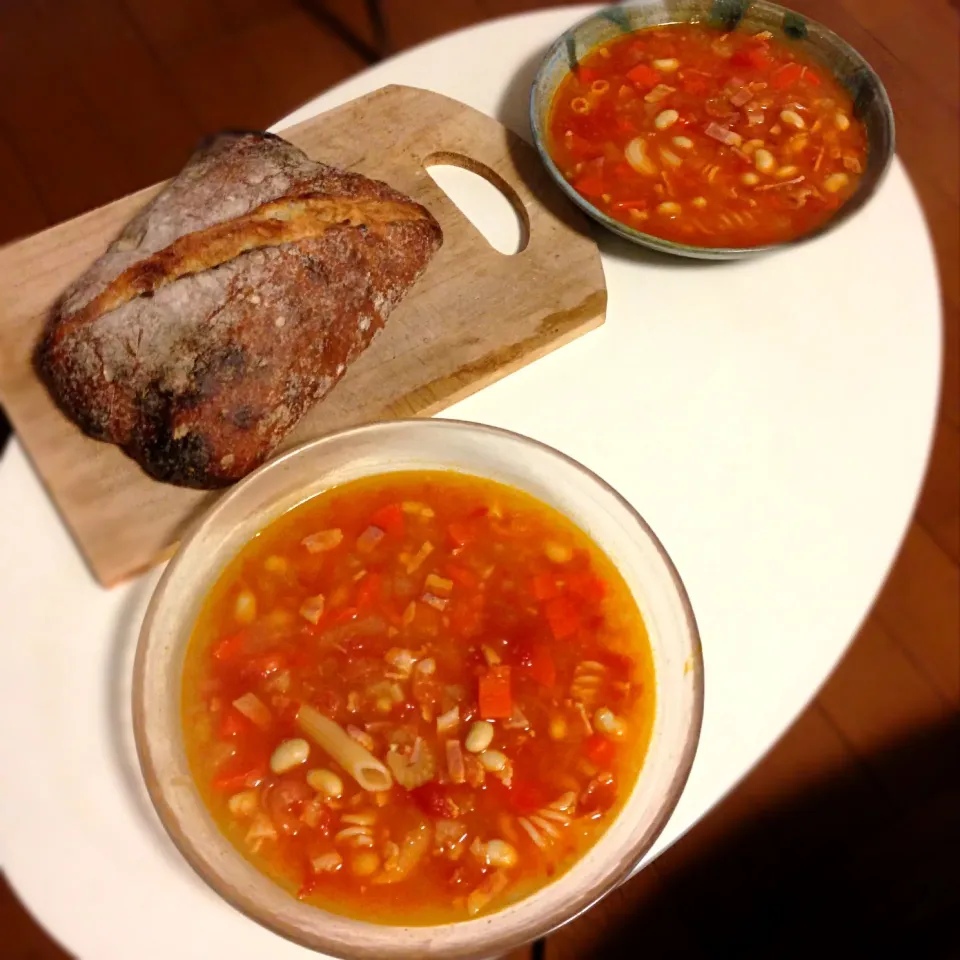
{"x":475,"y":316}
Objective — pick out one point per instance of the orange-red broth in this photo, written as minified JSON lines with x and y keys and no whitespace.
{"x":708,"y":138}
{"x":514,"y":617}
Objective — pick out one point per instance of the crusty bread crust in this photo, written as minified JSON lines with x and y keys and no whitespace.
{"x":229,"y":306}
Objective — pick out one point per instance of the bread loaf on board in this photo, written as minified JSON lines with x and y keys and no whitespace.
{"x":229,"y":305}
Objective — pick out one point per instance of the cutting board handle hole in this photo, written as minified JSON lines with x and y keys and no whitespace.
{"x":484,"y":198}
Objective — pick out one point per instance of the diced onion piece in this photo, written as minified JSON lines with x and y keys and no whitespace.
{"x":723,"y":134}
{"x":369,"y":539}
{"x":413,"y":563}
{"x":327,"y":863}
{"x":253,"y":708}
{"x":448,"y":722}
{"x":669,"y":209}
{"x":323,"y":541}
{"x":666,"y":65}
{"x":312,"y":608}
{"x":660,"y":92}
{"x":417,"y":509}
{"x":438,"y":585}
{"x":455,"y":764}
{"x":438,"y":603}
{"x":243,"y":804}
{"x":635,"y":153}
{"x":492,"y":885}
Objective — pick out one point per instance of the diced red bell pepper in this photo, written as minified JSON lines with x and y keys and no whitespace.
{"x":643,"y":76}
{"x":494,"y":695}
{"x":694,"y":84}
{"x":786,"y":76}
{"x":389,"y":518}
{"x":563,"y":616}
{"x":461,"y":533}
{"x":599,"y":750}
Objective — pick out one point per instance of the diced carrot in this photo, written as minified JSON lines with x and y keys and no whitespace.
{"x":389,"y":518}
{"x":563,"y":617}
{"x":233,"y":723}
{"x":590,"y":185}
{"x":786,"y":76}
{"x":495,"y":698}
{"x":369,"y":591}
{"x":599,"y":750}
{"x":538,"y":664}
{"x":461,"y":533}
{"x":230,"y":647}
{"x":545,"y":586}
{"x":643,"y":76}
{"x":462,"y":576}
{"x":586,"y":585}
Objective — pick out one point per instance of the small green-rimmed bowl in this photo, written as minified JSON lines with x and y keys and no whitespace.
{"x":870,"y":102}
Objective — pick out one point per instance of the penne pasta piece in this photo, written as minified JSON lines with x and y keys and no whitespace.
{"x":362,"y":765}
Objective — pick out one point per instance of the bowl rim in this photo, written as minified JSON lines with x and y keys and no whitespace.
{"x":484,"y":944}
{"x":688,"y":250}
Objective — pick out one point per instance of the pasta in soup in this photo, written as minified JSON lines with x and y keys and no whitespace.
{"x":417,"y":697}
{"x":706,"y":138}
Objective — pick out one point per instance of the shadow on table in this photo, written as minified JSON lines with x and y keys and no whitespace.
{"x":514,"y":112}
{"x":840,"y":869}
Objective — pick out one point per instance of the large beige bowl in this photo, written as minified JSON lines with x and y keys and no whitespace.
{"x":404,"y":445}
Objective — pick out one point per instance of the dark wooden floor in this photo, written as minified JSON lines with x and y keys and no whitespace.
{"x":846,"y":837}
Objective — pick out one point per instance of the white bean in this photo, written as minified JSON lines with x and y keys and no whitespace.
{"x":493,"y":761}
{"x":557,"y":728}
{"x":557,"y":552}
{"x":245,"y":607}
{"x":785,"y":173}
{"x":792,"y":118}
{"x":684,"y":143}
{"x":841,"y":120}
{"x":667,"y":65}
{"x":325,"y":781}
{"x":835,"y":182}
{"x":243,"y":804}
{"x":749,"y":178}
{"x":699,"y":202}
{"x":764,"y":161}
{"x":480,"y":737}
{"x":609,"y":724}
{"x":666,"y":118}
{"x":669,"y":209}
{"x":289,"y":754}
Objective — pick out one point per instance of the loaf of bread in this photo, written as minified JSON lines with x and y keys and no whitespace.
{"x":229,"y":305}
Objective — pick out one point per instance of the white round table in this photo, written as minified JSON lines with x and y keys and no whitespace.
{"x":771,"y":420}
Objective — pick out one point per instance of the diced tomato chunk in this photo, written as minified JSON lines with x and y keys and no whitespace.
{"x":545,"y":586}
{"x":389,"y":518}
{"x":233,"y":723}
{"x":526,"y":796}
{"x":461,"y":533}
{"x":786,"y":76}
{"x":563,"y":616}
{"x":369,"y":591}
{"x":590,"y":185}
{"x":537,"y":662}
{"x":599,"y":750}
{"x":643,"y":76}
{"x":753,"y":56}
{"x":435,"y":801}
{"x":230,"y":647}
{"x":586,"y":585}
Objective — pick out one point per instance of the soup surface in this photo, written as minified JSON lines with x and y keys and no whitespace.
{"x":417,"y":697}
{"x":706,"y":138}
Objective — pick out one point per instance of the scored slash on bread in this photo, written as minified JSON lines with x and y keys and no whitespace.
{"x":229,"y":305}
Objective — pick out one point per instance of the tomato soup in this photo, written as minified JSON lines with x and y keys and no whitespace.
{"x":707,"y":138}
{"x":417,"y":697}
